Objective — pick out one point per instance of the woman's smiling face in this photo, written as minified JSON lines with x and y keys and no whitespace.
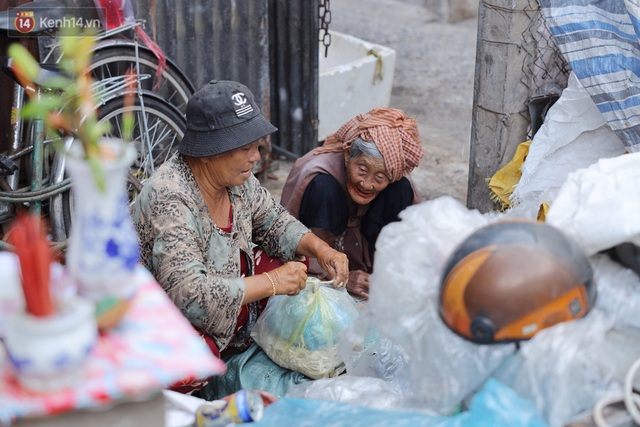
{"x":366,"y":178}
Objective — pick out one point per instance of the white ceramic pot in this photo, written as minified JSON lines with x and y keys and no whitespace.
{"x":103,"y":246}
{"x":49,"y":353}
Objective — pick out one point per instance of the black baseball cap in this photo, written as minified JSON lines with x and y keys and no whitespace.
{"x":222,"y":116}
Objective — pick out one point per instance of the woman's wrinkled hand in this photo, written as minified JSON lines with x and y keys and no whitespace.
{"x":358,"y":284}
{"x":290,"y":279}
{"x":335,"y":263}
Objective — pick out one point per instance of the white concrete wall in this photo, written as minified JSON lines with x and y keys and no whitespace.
{"x":352,"y":81}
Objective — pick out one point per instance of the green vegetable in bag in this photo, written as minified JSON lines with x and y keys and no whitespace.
{"x":301,"y":332}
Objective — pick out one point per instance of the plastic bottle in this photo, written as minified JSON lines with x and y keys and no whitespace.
{"x":245,"y":406}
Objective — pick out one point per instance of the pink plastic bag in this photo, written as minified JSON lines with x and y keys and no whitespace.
{"x":115,"y":13}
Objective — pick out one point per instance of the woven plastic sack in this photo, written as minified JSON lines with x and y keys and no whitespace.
{"x":301,"y":332}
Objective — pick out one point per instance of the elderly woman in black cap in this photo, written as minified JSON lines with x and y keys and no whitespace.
{"x":202,"y":217}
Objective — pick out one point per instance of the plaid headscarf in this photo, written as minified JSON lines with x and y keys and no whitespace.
{"x":395,"y":135}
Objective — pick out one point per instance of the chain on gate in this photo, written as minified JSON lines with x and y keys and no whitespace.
{"x":324,"y":15}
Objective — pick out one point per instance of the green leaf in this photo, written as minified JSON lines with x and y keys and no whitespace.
{"x":58,"y":82}
{"x":66,"y":64}
{"x":24,"y":60}
{"x":68,"y":40}
{"x":72,"y":91}
{"x":41,"y":107}
{"x":54,"y":136}
{"x":100,"y":129}
{"x":98,"y":173}
{"x":127,"y":125}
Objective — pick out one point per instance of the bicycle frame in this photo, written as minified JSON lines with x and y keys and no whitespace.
{"x":105,"y":40}
{"x":39,"y":189}
{"x":34,"y":195}
{"x":109,"y":89}
{"x":31,"y":147}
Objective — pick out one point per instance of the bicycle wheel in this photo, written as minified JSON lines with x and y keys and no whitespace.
{"x":158,"y":129}
{"x":165,"y":127}
{"x":111,"y":61}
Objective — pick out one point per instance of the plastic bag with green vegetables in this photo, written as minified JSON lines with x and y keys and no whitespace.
{"x":301,"y":332}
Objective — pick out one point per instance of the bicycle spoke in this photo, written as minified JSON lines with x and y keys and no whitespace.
{"x":173,"y":85}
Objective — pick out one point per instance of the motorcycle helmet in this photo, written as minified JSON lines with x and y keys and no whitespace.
{"x":511,"y":279}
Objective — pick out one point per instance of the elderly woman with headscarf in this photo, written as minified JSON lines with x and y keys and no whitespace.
{"x":356,"y":183}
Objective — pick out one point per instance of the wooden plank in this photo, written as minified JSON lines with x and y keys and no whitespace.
{"x":499,"y":118}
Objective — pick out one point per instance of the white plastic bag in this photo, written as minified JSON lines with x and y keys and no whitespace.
{"x":598,"y":205}
{"x":301,"y":332}
{"x":573,"y":136}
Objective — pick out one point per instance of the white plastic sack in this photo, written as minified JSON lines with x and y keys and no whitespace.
{"x":599,"y":205}
{"x":301,"y":332}
{"x":566,"y":369}
{"x":573,"y":136}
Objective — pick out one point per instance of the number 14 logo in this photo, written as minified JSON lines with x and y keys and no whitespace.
{"x":24,"y":22}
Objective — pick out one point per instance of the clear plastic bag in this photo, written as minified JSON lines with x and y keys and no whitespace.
{"x":301,"y":332}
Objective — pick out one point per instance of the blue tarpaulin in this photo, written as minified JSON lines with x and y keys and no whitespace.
{"x":496,"y":405}
{"x":600,"y":41}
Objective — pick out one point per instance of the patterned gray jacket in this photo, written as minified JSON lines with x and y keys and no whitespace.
{"x":197,"y":263}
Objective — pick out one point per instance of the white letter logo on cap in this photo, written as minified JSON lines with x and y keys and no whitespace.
{"x":240,"y":101}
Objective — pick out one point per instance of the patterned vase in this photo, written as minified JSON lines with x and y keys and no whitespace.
{"x":103,"y":246}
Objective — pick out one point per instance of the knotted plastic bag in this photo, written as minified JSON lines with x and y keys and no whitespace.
{"x":301,"y":332}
